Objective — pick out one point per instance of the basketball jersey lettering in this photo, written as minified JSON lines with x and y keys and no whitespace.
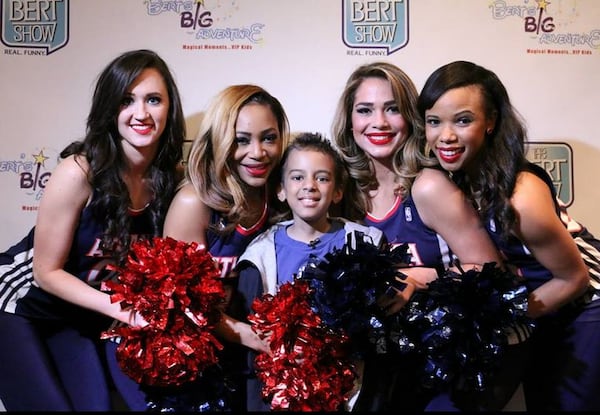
{"x":226,"y":264}
{"x":414,"y":253}
{"x":96,"y":249}
{"x":98,"y":271}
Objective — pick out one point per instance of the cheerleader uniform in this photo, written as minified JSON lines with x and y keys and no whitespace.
{"x":564,"y":370}
{"x":50,"y":355}
{"x":218,"y":388}
{"x":403,"y":225}
{"x":389,"y":383}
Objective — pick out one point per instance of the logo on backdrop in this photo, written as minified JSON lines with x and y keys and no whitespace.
{"x":374,"y":27}
{"x":30,"y":173}
{"x":209,"y":27}
{"x":557,"y":160}
{"x":32,"y":27}
{"x":548,"y":23}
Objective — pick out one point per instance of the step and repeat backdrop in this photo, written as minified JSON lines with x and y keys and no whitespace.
{"x":546,"y":52}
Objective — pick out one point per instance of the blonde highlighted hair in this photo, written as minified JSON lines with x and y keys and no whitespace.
{"x":209,"y":167}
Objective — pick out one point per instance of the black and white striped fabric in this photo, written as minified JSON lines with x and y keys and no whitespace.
{"x":16,"y":274}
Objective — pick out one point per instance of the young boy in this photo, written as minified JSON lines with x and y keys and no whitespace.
{"x":313,"y":177}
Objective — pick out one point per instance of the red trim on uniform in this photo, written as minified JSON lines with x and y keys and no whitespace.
{"x":136,"y":212}
{"x":256,"y":226}
{"x":389,"y":213}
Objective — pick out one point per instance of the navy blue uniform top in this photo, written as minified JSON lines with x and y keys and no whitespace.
{"x":516,"y":253}
{"x":87,"y":261}
{"x":402,"y":224}
{"x":226,"y":249}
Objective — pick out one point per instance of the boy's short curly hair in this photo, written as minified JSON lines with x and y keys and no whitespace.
{"x":317,"y":142}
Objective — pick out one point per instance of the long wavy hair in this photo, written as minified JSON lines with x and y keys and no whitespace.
{"x":210,"y":166}
{"x":502,"y":155}
{"x":357,"y":201}
{"x":102,"y":149}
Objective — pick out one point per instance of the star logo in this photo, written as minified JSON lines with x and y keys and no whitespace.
{"x":542,"y":4}
{"x":40,"y":158}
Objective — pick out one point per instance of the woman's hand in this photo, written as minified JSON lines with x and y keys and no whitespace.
{"x":240,"y":332}
{"x":136,"y":319}
{"x":259,"y":342}
{"x":394,"y":299}
{"x":416,"y":278}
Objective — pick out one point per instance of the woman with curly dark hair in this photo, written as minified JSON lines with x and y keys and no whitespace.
{"x":111,"y":188}
{"x":479,"y":138}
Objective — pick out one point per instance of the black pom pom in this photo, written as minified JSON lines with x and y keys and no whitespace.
{"x":346,"y":284}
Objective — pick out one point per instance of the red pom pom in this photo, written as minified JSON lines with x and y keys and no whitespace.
{"x":176,"y":287}
{"x":309,"y":369}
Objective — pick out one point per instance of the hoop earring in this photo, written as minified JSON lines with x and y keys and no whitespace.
{"x":489,"y":131}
